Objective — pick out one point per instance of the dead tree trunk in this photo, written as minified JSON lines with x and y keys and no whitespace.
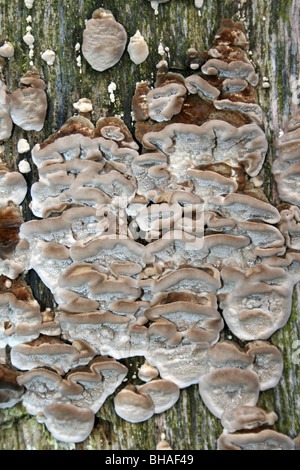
{"x":274,"y":35}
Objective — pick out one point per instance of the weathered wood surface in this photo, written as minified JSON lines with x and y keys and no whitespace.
{"x":273,"y":27}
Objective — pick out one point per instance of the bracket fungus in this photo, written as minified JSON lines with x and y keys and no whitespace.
{"x":286,"y":166}
{"x":6,"y":124}
{"x":165,"y":101}
{"x":256,"y":308}
{"x":137,"y":404}
{"x":267,"y":439}
{"x":20,"y":315}
{"x":252,"y":428}
{"x":155,"y":3}
{"x":48,"y":56}
{"x":227,"y":388}
{"x":13,"y":189}
{"x":104,"y":40}
{"x":67,"y":422}
{"x":67,"y":405}
{"x":246,"y":417}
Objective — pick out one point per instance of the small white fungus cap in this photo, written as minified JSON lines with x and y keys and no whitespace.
{"x":23,"y":146}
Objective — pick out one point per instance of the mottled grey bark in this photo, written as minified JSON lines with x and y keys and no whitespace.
{"x":273,"y":29}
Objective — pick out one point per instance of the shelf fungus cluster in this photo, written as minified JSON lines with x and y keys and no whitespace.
{"x":150,"y":249}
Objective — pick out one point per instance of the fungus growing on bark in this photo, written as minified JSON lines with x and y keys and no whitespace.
{"x":10,"y":222}
{"x":138,"y":403}
{"x":257,"y":301}
{"x":165,"y":101}
{"x":114,"y":129}
{"x":234,"y":69}
{"x":158,"y":217}
{"x":104,"y":40}
{"x":266,"y":239}
{"x":267,"y":363}
{"x":67,"y":422}
{"x":6,"y":123}
{"x":163,"y":445}
{"x":267,"y":439}
{"x":138,"y":48}
{"x":48,"y":56}
{"x":50,"y":238}
{"x":147,"y":372}
{"x":150,"y":170}
{"x":252,"y":110}
{"x":87,"y":279}
{"x":199,"y":323}
{"x":163,"y":393}
{"x":258,"y":356}
{"x":119,"y":333}
{"x":210,"y":183}
{"x":155,"y":3}
{"x":51,"y":352}
{"x":184,"y":325}
{"x":242,"y":207}
{"x":29,"y":3}
{"x":23,"y":146}
{"x":84,"y":166}
{"x":214,"y":141}
{"x":24,"y":166}
{"x":20,"y":316}
{"x":10,"y":391}
{"x":83,"y":106}
{"x":246,"y":417}
{"x":227,"y":388}
{"x":194,"y":59}
{"x":13,"y":187}
{"x":29,"y":102}
{"x":141,"y":248}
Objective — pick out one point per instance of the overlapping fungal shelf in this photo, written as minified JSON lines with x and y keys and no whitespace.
{"x":25,"y":107}
{"x":151,"y":249}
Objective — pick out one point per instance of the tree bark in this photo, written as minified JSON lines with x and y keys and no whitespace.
{"x":273,"y":28}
